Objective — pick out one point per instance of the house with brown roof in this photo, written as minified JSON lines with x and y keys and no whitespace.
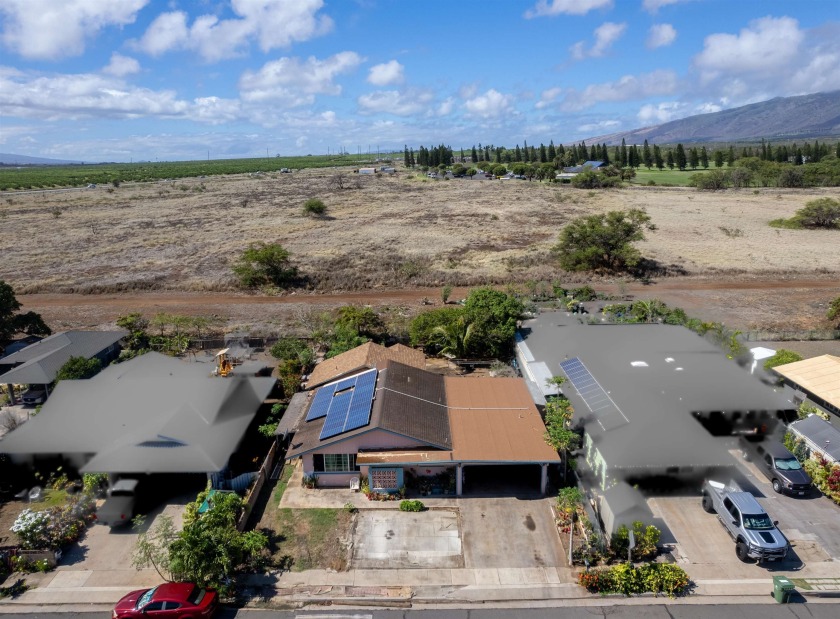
{"x":817,"y":377}
{"x":364,"y":357}
{"x":397,"y":423}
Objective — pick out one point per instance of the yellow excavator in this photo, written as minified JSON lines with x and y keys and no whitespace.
{"x":224,"y":366}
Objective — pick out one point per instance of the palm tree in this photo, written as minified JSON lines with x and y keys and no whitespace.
{"x":454,"y":339}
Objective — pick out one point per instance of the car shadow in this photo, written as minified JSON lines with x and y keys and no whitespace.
{"x":791,"y":563}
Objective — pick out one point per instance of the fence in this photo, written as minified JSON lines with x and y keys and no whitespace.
{"x":256,"y":488}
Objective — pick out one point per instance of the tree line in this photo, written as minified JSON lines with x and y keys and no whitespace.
{"x":623,"y":156}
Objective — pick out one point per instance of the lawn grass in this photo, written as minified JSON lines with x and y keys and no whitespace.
{"x":282,"y":484}
{"x":311,"y":538}
{"x":671,"y":178}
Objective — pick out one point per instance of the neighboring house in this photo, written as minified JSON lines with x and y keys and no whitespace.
{"x":364,"y":357}
{"x":821,"y":438}
{"x":642,"y":391}
{"x":586,"y":165}
{"x":150,"y":414}
{"x":817,"y":377}
{"x":39,"y":363}
{"x":398,"y":422}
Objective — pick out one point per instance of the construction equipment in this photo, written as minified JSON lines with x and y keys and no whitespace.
{"x":224,"y":365}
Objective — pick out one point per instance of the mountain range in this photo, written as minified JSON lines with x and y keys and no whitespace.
{"x":806,"y":117}
{"x":9,"y":159}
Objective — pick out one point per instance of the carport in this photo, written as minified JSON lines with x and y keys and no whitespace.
{"x":502,"y":479}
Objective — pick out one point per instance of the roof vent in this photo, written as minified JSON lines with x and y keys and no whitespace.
{"x":639,"y":364}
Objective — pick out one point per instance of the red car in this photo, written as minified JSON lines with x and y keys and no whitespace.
{"x":173,"y":599}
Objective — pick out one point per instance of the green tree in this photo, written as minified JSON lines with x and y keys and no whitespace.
{"x":344,"y":338}
{"x":493,"y":315}
{"x":422,"y":328}
{"x":603,"y":242}
{"x":363,"y":320}
{"x":293,"y":349}
{"x":209,"y":549}
{"x":782,"y":357}
{"x":558,"y":432}
{"x":819,"y":213}
{"x":78,"y":368}
{"x":657,"y":158}
{"x":647,"y":156}
{"x":314,"y":207}
{"x":471,"y":172}
{"x":13,"y":322}
{"x":454,"y":339}
{"x":704,"y":158}
{"x":670,"y":160}
{"x":680,"y":157}
{"x":833,"y":312}
{"x":265,"y":264}
{"x":718,"y":158}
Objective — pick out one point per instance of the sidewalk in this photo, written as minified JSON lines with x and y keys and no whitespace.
{"x":68,"y":590}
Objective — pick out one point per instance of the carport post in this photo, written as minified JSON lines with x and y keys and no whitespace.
{"x":11,"y":389}
{"x":543,"y":477}
{"x":459,"y":480}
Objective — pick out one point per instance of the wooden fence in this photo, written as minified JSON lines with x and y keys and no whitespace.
{"x":254,"y":493}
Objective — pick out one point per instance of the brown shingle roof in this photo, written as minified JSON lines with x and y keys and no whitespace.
{"x":495,"y":420}
{"x":367,"y":355}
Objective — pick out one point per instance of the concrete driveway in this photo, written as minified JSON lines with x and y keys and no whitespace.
{"x":509,"y":532}
{"x":393,"y":539}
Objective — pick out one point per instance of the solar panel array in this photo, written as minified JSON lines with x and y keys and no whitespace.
{"x":606,"y":412}
{"x":346,"y":404}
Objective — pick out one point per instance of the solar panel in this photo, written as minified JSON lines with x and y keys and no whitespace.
{"x":606,"y":412}
{"x":320,"y":403}
{"x":349,"y":404}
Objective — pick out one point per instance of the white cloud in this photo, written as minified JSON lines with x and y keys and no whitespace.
{"x":549,"y":8}
{"x":120,"y":66}
{"x":85,"y":95}
{"x":491,"y":104}
{"x":168,"y":31}
{"x":548,"y":97}
{"x":395,"y":102}
{"x":660,"y":35}
{"x":272,"y":23}
{"x":293,"y":82}
{"x":599,"y":127}
{"x":629,"y":87}
{"x":301,"y":141}
{"x":51,"y":30}
{"x":766,"y":46}
{"x":605,"y":35}
{"x":386,"y":73}
{"x":656,"y":114}
{"x":770,"y":57}
{"x":652,"y":6}
{"x":446,"y":107}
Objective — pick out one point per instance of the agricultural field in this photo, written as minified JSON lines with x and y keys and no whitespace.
{"x":45,"y":177}
{"x":670,"y":178}
{"x":401,"y":232}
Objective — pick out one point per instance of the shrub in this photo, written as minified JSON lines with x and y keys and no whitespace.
{"x":656,"y":578}
{"x":314,"y":206}
{"x":265,"y":264}
{"x":782,"y":357}
{"x":412,"y":506}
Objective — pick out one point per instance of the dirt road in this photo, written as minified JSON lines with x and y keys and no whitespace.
{"x":746,"y":303}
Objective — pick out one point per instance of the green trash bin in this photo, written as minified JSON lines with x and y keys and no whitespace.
{"x":782,"y":589}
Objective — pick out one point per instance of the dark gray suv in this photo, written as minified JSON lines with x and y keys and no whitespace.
{"x":779,"y":465}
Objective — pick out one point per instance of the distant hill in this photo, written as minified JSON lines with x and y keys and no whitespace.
{"x":10,"y":159}
{"x":810,"y":117}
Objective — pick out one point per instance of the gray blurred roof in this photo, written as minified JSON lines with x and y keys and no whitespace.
{"x":40,"y":361}
{"x":684,"y":374}
{"x":821,"y":433}
{"x":150,"y":414}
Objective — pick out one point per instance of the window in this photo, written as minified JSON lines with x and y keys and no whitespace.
{"x":334,"y":463}
{"x":171,"y":605}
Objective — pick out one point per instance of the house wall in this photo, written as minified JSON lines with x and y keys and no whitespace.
{"x":374,"y":440}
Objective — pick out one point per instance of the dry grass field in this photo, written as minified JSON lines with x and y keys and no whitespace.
{"x":391,"y":231}
{"x":382,"y":232}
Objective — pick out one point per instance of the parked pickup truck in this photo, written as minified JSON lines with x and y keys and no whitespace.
{"x":755,"y":535}
{"x":118,"y":508}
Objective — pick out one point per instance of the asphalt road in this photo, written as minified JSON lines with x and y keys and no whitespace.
{"x":671,"y":611}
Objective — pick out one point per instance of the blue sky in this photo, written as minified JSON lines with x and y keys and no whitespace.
{"x":122,"y":80}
